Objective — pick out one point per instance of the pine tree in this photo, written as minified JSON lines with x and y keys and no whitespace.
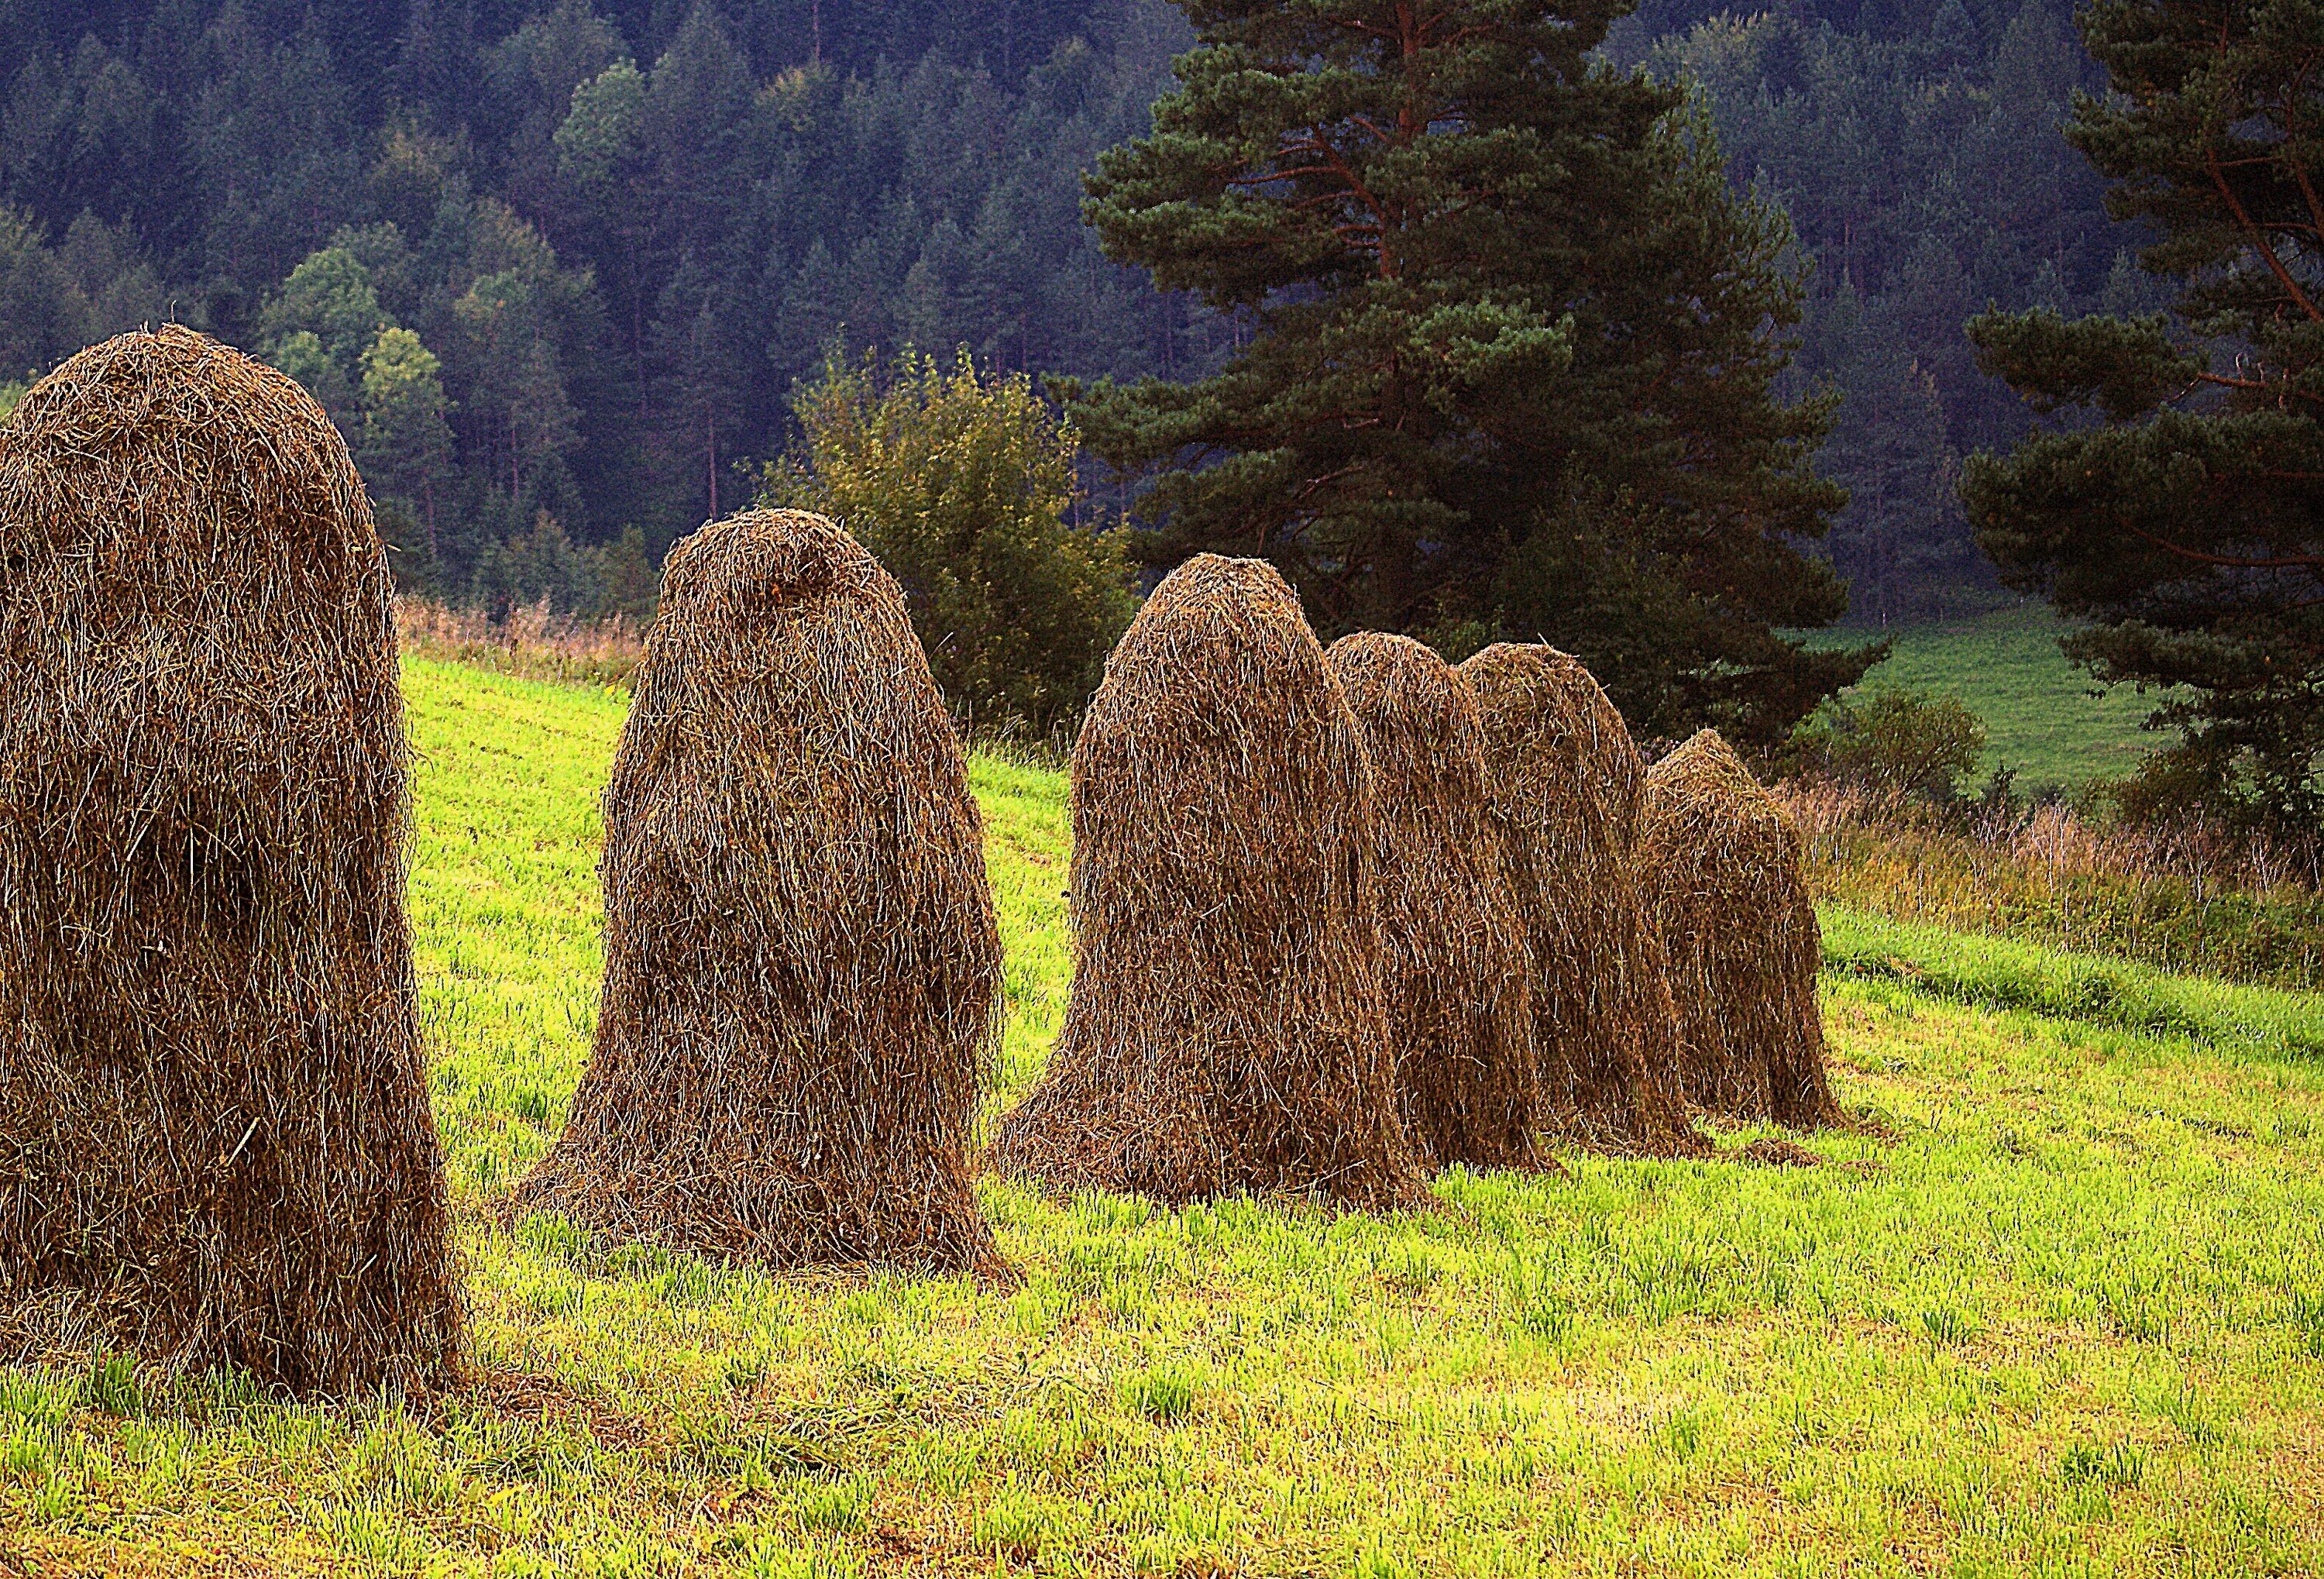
{"x":40,"y":312}
{"x":2185,"y":525}
{"x":702,"y":394}
{"x":1506,"y":372}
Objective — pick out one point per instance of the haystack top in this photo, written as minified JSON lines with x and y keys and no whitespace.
{"x":1706,"y":774}
{"x":1390,"y":665}
{"x":1550,"y":678}
{"x":1245,"y":602}
{"x":1705,"y":751}
{"x":1552,"y":700}
{"x":1420,"y":718}
{"x":763,"y":563}
{"x":110,"y":441}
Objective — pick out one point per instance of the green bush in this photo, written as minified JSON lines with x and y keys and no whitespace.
{"x":1893,"y":742}
{"x":963,"y":485}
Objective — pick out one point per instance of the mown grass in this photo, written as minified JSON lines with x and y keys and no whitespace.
{"x":2041,"y":721}
{"x":2069,"y":1317}
{"x":2000,"y":973}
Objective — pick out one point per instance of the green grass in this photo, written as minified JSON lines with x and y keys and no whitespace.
{"x":2068,"y":1319}
{"x":1998,"y":972}
{"x":2038,"y":710}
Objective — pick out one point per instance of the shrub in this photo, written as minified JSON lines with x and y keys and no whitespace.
{"x":962,"y":485}
{"x":1893,"y":742}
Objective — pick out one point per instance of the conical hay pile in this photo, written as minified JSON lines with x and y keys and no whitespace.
{"x":1456,"y":964}
{"x":215,"y":1141}
{"x":1562,"y":782}
{"x":802,"y":967}
{"x":1226,"y":1031}
{"x":1721,"y":869}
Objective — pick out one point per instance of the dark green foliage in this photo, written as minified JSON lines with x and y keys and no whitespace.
{"x":1902,"y":536}
{"x":1508,"y":368}
{"x":1915,"y":144}
{"x":606,"y":236}
{"x":667,"y":210}
{"x":2126,"y":367}
{"x":2184,"y":526}
{"x":962,"y":485}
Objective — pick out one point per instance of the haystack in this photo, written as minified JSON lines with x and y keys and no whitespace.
{"x":1226,"y":1031}
{"x":802,"y":968}
{"x":1455,"y":964}
{"x":1721,"y":868}
{"x":216,"y":1145}
{"x":1562,"y":779}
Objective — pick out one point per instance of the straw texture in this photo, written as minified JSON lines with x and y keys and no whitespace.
{"x":1456,"y":966}
{"x":802,"y":967}
{"x":215,"y":1141}
{"x":1562,"y":779}
{"x":1226,"y":1031}
{"x":1722,"y":870}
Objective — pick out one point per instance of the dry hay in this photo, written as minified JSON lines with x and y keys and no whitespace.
{"x":1720,"y":866}
{"x":1226,"y":1031}
{"x":1455,"y":966}
{"x":215,"y":1141}
{"x":1563,"y":781}
{"x":1771,"y":1151}
{"x":802,"y":966}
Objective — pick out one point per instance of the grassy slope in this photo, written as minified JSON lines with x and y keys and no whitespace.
{"x":2037,"y":707}
{"x":2071,"y":1318}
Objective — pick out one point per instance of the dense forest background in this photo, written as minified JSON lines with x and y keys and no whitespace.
{"x":557,"y":268}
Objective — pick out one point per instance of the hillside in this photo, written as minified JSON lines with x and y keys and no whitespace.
{"x":2070,"y":1317}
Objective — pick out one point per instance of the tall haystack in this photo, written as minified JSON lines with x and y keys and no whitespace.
{"x":1723,"y":872}
{"x":1226,"y":1031}
{"x":1456,"y":964}
{"x":1562,"y":779}
{"x":802,"y":966}
{"x":215,"y":1146}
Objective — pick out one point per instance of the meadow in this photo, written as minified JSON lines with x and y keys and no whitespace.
{"x":2057,"y":1307}
{"x":2041,"y":721}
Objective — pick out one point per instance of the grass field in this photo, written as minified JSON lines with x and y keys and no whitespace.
{"x":2068,"y":1319}
{"x":2037,"y":707}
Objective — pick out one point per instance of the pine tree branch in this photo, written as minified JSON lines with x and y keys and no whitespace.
{"x":2223,"y":562}
{"x":2279,"y":388}
{"x":2291,"y":101}
{"x":2258,"y":237}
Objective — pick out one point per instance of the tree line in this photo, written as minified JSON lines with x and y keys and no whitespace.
{"x":556,"y":269}
{"x":673,"y":208}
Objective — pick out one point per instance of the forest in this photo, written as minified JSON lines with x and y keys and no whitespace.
{"x":558,"y":270}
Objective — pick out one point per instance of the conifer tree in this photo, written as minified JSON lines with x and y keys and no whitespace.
{"x":2185,"y":525}
{"x":1508,"y":372}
